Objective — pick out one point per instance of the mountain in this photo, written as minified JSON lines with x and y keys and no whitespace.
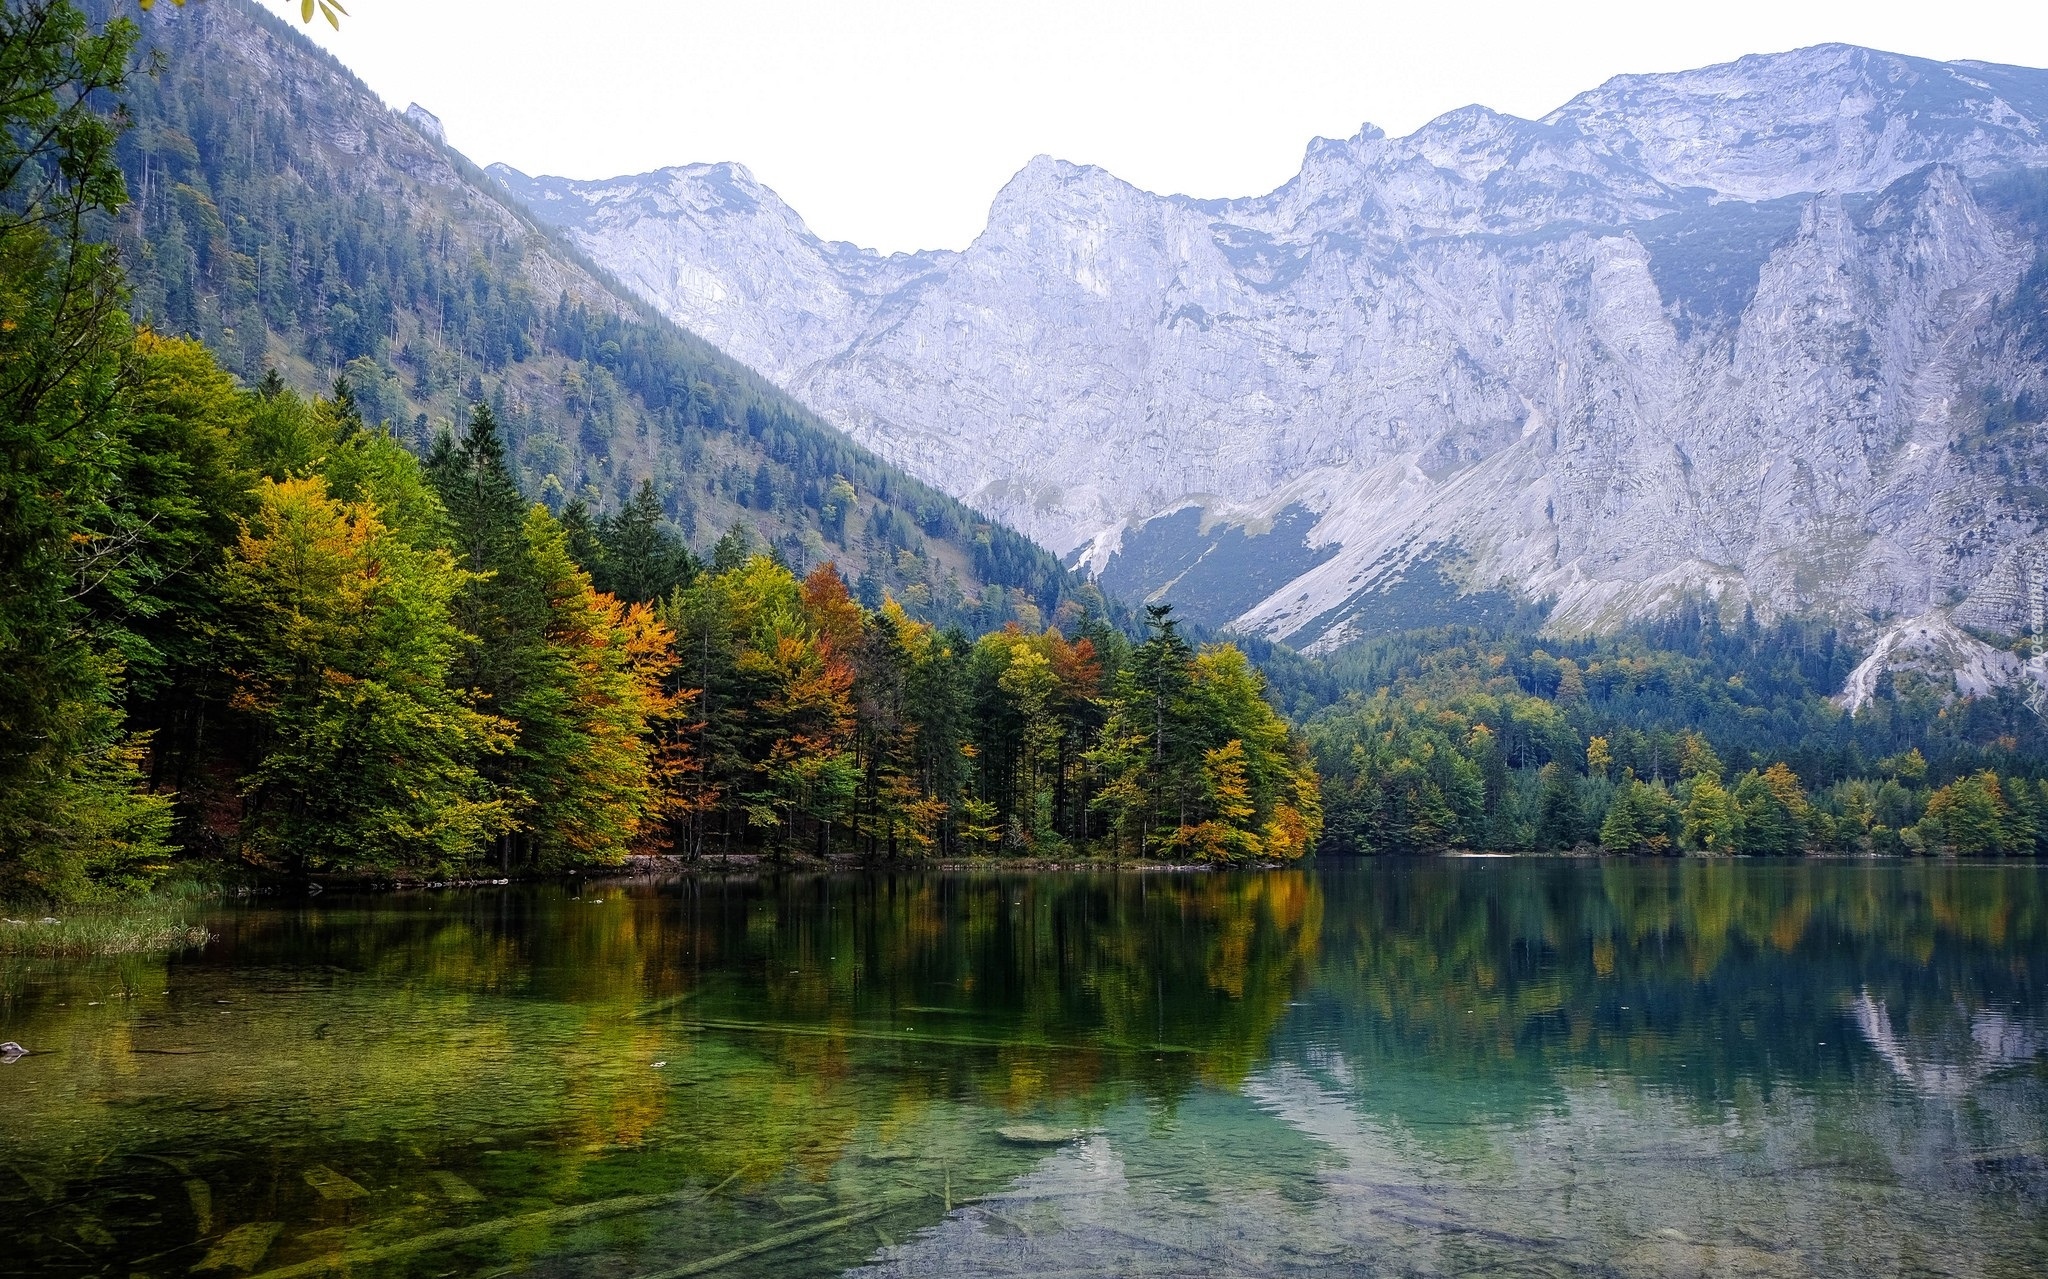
{"x":1769,"y":334}
{"x":286,"y":217}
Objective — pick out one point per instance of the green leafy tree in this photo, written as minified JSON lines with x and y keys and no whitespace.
{"x":1641,"y":818}
{"x":1710,"y":821}
{"x":1775,"y":813}
{"x":363,"y":755}
{"x":1978,"y":816}
{"x":588,"y":705}
{"x":73,"y":818}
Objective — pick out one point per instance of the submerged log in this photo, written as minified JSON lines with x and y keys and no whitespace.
{"x":773,"y":1243}
{"x":333,"y":1185}
{"x":575,"y":1214}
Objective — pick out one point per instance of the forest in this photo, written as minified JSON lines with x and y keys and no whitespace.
{"x":305,"y":649}
{"x":247,"y":626}
{"x":1686,"y":735}
{"x":243,"y":626}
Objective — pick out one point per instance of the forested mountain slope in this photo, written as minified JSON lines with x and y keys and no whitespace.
{"x":285,"y":217}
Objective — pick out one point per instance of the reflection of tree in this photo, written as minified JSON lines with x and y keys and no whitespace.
{"x":837,"y":1032}
{"x":1193,"y":971}
{"x":1729,"y":970}
{"x":847,"y":1039}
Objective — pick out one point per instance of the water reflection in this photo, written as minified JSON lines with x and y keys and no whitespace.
{"x":1948,"y":1065}
{"x":1439,"y":1067}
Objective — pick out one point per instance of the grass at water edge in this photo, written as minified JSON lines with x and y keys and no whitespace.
{"x":154,"y":924}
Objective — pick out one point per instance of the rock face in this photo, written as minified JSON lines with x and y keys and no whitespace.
{"x":1771,"y":333}
{"x":1933,"y":647}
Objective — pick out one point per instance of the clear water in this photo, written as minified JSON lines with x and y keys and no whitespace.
{"x":1501,"y":1067}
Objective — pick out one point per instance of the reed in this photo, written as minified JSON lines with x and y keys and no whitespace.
{"x":146,"y":925}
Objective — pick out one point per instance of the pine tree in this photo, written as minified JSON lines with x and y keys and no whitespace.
{"x":935,"y":707}
{"x":1158,"y":678}
{"x":1558,"y":820}
{"x":584,"y":546}
{"x":486,"y":514}
{"x":885,"y":735}
{"x":643,"y":560}
{"x":733,"y":550}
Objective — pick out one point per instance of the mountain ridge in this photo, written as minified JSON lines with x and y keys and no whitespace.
{"x":1731,"y":332}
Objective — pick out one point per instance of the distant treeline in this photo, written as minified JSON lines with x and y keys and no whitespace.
{"x":1682,"y":735}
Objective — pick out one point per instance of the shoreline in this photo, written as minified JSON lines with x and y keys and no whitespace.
{"x":668,"y":863}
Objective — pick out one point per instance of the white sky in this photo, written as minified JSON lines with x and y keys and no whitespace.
{"x":892,"y":123}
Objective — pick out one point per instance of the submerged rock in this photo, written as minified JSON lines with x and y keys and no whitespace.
{"x":241,"y":1248}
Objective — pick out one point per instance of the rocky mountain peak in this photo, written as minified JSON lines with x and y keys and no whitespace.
{"x":1051,"y":188}
{"x":426,"y":122}
{"x":1754,"y":333}
{"x":1830,"y":117}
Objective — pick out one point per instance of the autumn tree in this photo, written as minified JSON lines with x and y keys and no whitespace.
{"x":363,"y":756}
{"x":590,"y":703}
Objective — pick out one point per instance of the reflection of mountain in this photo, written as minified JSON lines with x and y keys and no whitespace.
{"x":1703,"y":976}
{"x":1608,"y":1179}
{"x":1953,"y":1065}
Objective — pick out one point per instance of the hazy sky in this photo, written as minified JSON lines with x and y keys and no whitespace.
{"x":893,"y":122}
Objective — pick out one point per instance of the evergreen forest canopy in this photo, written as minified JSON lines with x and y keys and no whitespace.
{"x":1683,"y":735}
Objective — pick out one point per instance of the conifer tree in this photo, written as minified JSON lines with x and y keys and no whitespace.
{"x":643,"y":560}
{"x":1558,"y":819}
{"x":486,"y":514}
{"x":584,"y":547}
{"x":885,"y":734}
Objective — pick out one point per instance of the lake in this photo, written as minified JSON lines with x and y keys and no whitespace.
{"x":1445,"y":1067}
